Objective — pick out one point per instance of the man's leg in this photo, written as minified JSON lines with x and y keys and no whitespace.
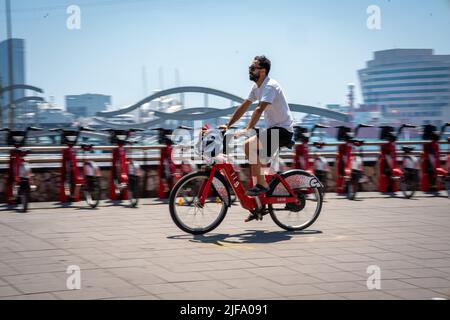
{"x":251,"y":146}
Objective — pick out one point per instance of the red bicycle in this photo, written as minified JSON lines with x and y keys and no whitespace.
{"x":433,"y":176}
{"x":294,"y":200}
{"x":168,"y":171}
{"x":73,"y":181}
{"x":392,"y":176}
{"x":302,"y":161}
{"x":19,"y":183}
{"x":124,"y":183}
{"x":349,"y":167}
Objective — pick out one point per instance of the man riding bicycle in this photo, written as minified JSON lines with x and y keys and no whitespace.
{"x":278,"y":119}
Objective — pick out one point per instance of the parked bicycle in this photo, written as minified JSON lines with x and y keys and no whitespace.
{"x":391,"y":176}
{"x":74,"y":181}
{"x":349,"y":167}
{"x":19,"y":183}
{"x":294,"y":199}
{"x":319,"y":165}
{"x":124,"y":183}
{"x":433,"y":176}
{"x":168,"y":171}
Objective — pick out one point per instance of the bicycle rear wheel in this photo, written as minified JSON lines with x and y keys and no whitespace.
{"x":409,"y":183}
{"x":303,"y":213}
{"x":92,"y":191}
{"x":191,"y":216}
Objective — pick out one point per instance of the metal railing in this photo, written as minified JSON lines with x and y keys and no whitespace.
{"x":35,"y":158}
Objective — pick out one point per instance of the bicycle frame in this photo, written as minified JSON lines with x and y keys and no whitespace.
{"x":119,"y":156}
{"x":15,"y":176}
{"x":69,"y":155}
{"x":248,"y":203}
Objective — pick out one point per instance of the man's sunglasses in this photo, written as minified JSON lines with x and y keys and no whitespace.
{"x":252,"y":68}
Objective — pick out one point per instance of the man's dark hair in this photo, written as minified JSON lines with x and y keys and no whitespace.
{"x":264,"y":63}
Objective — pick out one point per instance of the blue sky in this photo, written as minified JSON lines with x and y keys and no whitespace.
{"x":316,"y":47}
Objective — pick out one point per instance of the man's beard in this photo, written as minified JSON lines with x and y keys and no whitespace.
{"x":253,"y":77}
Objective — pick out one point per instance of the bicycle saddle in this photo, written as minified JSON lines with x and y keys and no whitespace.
{"x":407,"y":149}
{"x":357,"y":142}
{"x":23,"y":150}
{"x":319,"y":145}
{"x":86,"y":146}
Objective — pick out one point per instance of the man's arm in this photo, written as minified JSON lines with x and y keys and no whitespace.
{"x":257,"y":114}
{"x":239,"y":112}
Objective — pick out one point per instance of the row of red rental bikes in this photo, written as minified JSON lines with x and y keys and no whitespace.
{"x":408,"y":175}
{"x":394,"y":170}
{"x":76,"y":181}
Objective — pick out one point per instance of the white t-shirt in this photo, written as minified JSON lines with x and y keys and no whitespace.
{"x":277,"y":114}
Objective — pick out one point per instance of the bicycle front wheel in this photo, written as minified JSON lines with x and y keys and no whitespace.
{"x":191,"y":216}
{"x":303,"y":213}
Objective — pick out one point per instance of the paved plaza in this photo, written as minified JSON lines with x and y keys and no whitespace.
{"x":126,"y":253}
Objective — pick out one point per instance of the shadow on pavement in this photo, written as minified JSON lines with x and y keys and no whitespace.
{"x":252,"y":236}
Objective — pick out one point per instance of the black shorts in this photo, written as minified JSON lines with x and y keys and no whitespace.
{"x":268,"y":139}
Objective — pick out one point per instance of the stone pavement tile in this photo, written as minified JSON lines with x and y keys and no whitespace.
{"x":43,"y":253}
{"x":368,"y":295}
{"x":144,"y":297}
{"x":84,"y":294}
{"x":395,"y":284}
{"x":180,"y":277}
{"x":249,"y":282}
{"x":398,"y":264}
{"x":188,"y":267}
{"x":137,"y":276}
{"x":351,"y":266}
{"x":312,"y":260}
{"x":337,"y":276}
{"x":444,"y":292}
{"x":6,"y":291}
{"x":297,"y":278}
{"x":365,"y":250}
{"x":125,"y":291}
{"x":429,"y":282}
{"x":270,"y":272}
{"x":326,"y":296}
{"x":424,"y":273}
{"x":283,"y":253}
{"x":232,"y":264}
{"x":40,"y":285}
{"x":37,"y":296}
{"x":295,"y":290}
{"x":352,"y":258}
{"x":121,"y":263}
{"x":268,"y":262}
{"x":205,"y":285}
{"x":229,"y":274}
{"x":194,"y":295}
{"x":434,"y":263}
{"x":162,"y":288}
{"x":429,"y":254}
{"x":342,"y":287}
{"x":309,"y":268}
{"x":389,"y":256}
{"x":414,"y":294}
{"x":249,"y":293}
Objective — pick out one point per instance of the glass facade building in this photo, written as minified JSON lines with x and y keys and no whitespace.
{"x":409,"y":85}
